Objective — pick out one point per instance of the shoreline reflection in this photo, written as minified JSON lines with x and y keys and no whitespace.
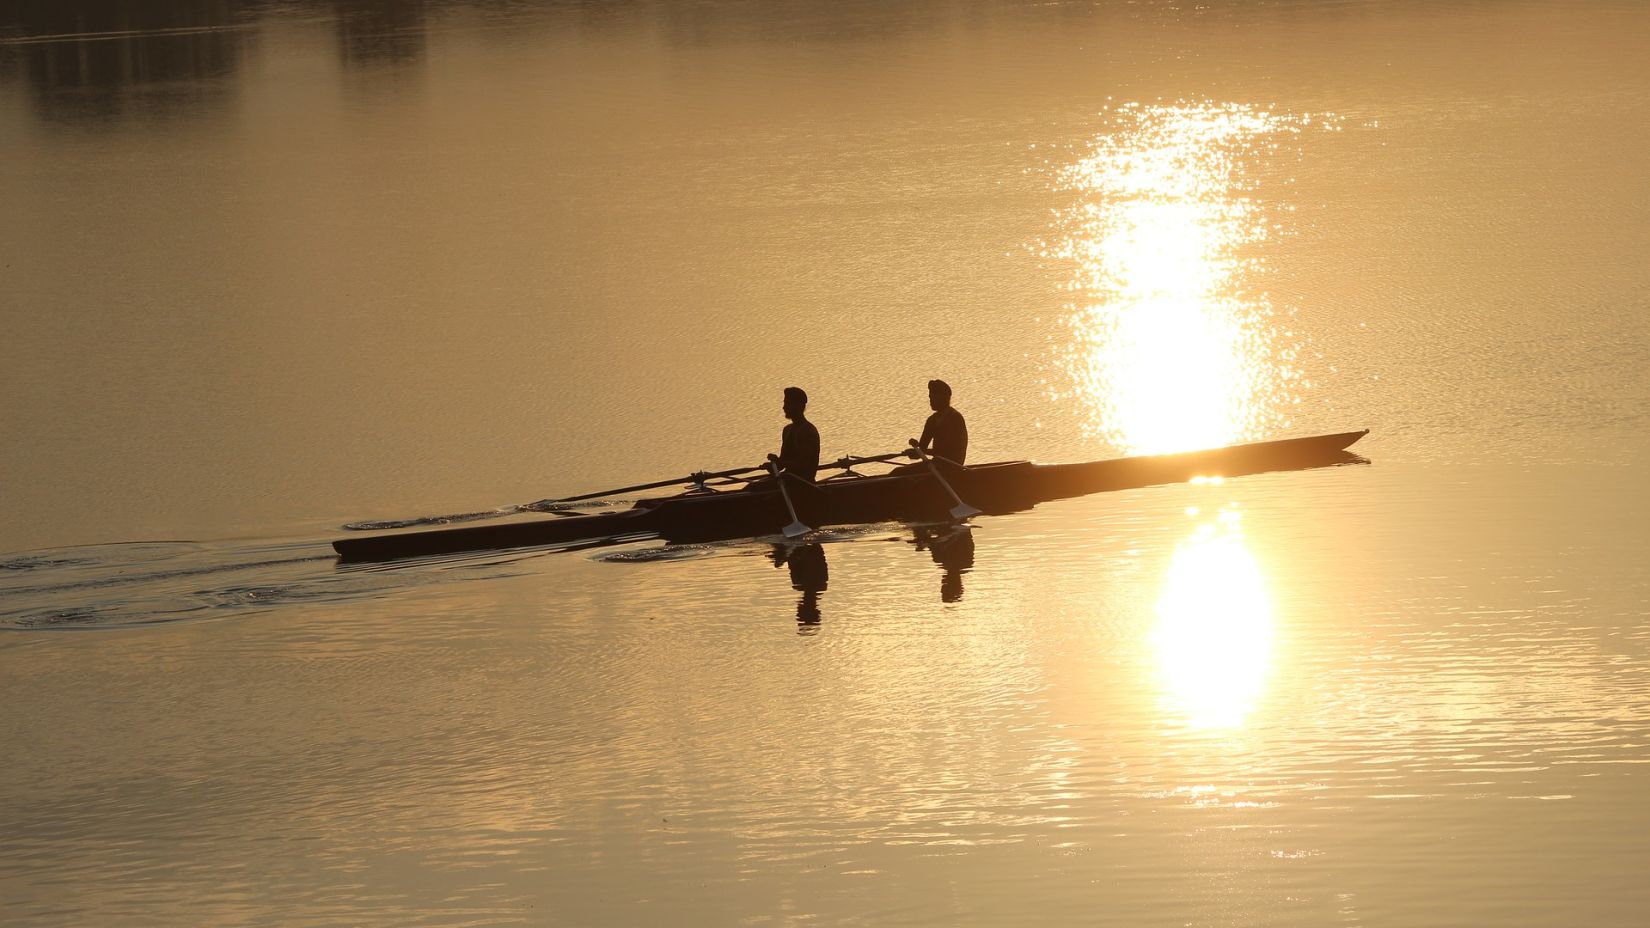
{"x":98,"y":62}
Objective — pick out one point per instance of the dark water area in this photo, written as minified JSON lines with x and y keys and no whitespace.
{"x":270,"y":270}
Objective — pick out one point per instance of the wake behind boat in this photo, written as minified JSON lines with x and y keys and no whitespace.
{"x":706,"y":513}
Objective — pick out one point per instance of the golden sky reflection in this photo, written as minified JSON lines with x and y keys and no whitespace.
{"x":1173,"y":343}
{"x":1214,"y":629}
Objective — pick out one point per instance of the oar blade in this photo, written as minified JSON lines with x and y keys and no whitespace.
{"x":796,"y":529}
{"x":963,"y":511}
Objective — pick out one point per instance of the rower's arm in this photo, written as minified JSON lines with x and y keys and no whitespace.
{"x":927,"y":439}
{"x":787,"y":449}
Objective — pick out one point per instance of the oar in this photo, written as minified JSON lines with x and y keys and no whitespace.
{"x":849,"y":460}
{"x":677,"y":481}
{"x":545,"y":505}
{"x":796,"y":529}
{"x":960,"y":511}
{"x":701,"y":477}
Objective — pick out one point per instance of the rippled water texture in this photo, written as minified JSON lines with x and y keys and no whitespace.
{"x":270,"y":271}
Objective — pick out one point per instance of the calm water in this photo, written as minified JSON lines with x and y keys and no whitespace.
{"x":269,"y":268}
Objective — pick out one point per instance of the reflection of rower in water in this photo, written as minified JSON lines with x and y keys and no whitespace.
{"x":809,"y":576}
{"x":951,"y":548}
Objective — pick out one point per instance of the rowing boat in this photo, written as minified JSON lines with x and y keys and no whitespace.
{"x":848,"y":498}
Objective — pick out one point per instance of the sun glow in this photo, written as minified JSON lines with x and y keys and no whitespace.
{"x":1214,"y":626}
{"x":1172,"y":347}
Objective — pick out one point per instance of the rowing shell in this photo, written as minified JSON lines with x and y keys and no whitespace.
{"x":848,"y":499}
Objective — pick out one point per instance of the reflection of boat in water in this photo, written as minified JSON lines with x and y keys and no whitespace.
{"x":849,"y":498}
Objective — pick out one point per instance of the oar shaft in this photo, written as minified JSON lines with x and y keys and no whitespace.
{"x":843,"y":462}
{"x":851,"y":460}
{"x":960,"y":511}
{"x":780,"y":482}
{"x":796,"y":528}
{"x":675,"y":481}
{"x":548,"y":504}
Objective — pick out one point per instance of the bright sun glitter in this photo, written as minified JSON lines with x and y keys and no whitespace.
{"x":1171,"y":349}
{"x":1214,"y":626}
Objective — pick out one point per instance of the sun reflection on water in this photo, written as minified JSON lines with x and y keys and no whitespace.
{"x":1214,"y":626}
{"x":1173,"y":345}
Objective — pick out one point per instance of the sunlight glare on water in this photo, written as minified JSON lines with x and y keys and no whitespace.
{"x":1213,"y":634}
{"x":1173,"y":343}
{"x":278,"y":268}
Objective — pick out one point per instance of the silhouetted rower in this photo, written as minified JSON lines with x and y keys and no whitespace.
{"x":945,"y":434}
{"x":799,"y":443}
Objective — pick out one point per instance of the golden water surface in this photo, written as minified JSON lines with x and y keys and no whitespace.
{"x":271,"y":268}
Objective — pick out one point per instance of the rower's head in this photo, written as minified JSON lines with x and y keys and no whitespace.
{"x":796,"y":400}
{"x":939,"y":395}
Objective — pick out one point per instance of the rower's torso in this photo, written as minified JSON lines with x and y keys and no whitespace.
{"x":799,"y":449}
{"x":950,"y":435}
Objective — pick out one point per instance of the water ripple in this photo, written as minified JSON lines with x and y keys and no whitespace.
{"x":145,"y":583}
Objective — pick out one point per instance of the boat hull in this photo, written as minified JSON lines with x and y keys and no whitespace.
{"x":913,"y":496}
